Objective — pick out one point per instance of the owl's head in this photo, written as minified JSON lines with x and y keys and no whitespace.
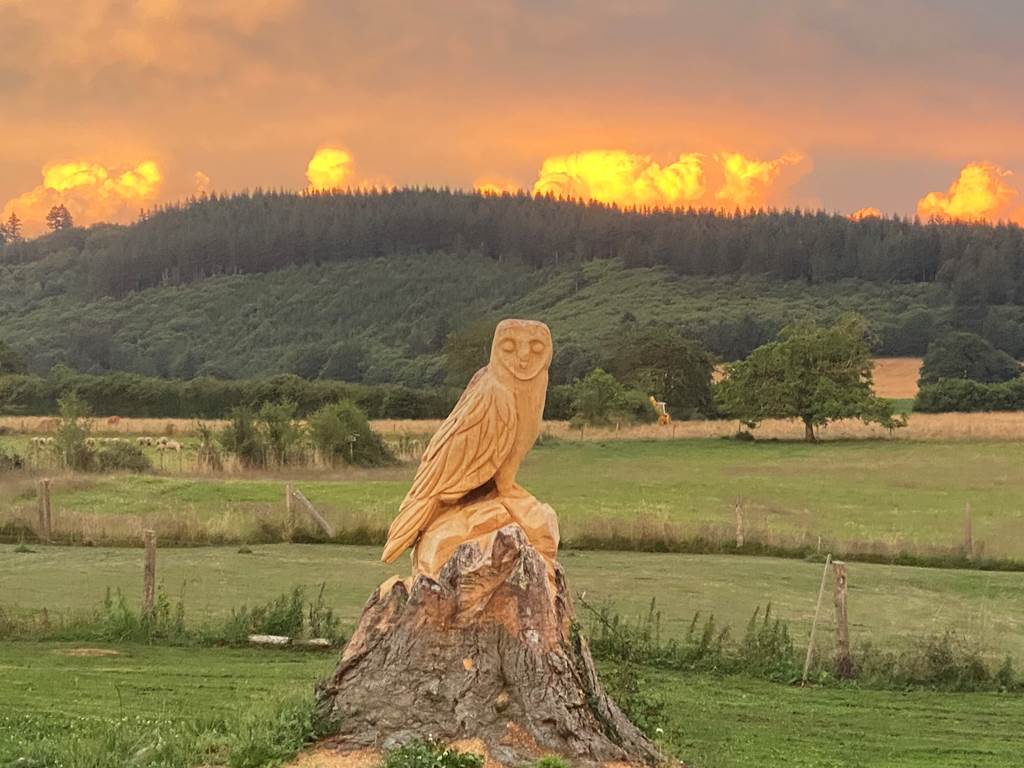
{"x":521,"y":347}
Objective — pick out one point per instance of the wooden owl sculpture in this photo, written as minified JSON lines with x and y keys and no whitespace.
{"x":479,"y":447}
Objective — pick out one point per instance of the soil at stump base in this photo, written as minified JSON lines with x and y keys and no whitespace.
{"x":486,"y":652}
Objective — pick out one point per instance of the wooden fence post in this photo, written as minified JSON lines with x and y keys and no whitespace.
{"x":968,"y":532}
{"x":45,"y":512}
{"x":319,"y":519}
{"x":739,"y":525}
{"x":814,"y":623}
{"x":149,"y":575}
{"x":844,"y":663}
{"x":289,"y":507}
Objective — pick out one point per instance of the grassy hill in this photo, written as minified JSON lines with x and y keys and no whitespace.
{"x":367,"y":289}
{"x":385,"y":319}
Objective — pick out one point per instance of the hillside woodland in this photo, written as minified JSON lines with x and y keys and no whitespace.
{"x":370,"y":287}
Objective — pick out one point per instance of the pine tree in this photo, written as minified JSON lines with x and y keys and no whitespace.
{"x":59,"y":217}
{"x":12,"y":229}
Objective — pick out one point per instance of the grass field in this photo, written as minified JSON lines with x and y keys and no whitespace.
{"x":884,"y":497}
{"x":165,"y":696}
{"x":888,"y":604}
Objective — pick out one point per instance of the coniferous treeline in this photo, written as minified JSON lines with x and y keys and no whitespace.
{"x":266,"y":231}
{"x":134,"y":396}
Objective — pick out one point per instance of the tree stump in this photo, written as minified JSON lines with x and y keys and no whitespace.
{"x":487,"y":650}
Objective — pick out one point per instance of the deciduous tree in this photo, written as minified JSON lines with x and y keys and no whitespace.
{"x":812,"y":373}
{"x":962,"y":355}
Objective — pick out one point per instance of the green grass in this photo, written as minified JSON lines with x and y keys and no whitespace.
{"x":193,"y":700}
{"x":150,"y":706}
{"x":887,"y":603}
{"x":902,"y":404}
{"x":714,"y":723}
{"x":886,"y":497}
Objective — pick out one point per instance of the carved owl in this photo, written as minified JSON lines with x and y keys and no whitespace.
{"x":486,"y":436}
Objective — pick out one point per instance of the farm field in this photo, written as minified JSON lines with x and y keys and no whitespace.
{"x":1002,"y":425}
{"x":887,"y":497}
{"x":888,"y":604}
{"x":191,"y":702}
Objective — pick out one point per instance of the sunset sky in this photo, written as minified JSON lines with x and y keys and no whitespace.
{"x":114,"y":105}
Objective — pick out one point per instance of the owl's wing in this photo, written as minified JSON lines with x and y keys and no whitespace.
{"x":462,"y":455}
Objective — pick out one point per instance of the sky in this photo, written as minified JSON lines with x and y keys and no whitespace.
{"x":112,"y":106}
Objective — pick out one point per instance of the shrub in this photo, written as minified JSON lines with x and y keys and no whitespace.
{"x":767,"y":649}
{"x":10,"y":461}
{"x":243,"y":438}
{"x":208,"y":455}
{"x":73,"y":428}
{"x":429,"y":754}
{"x":281,"y":616}
{"x":599,"y":399}
{"x":127,"y":457}
{"x":283,"y":435}
{"x":630,"y":690}
{"x":970,"y":396}
{"x":946,"y":662}
{"x":341,"y":431}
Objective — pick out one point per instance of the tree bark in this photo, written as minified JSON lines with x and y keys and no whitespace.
{"x":486,"y":651}
{"x":809,"y":431}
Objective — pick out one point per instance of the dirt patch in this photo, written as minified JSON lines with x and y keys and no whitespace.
{"x":87,"y":652}
{"x":323,"y":757}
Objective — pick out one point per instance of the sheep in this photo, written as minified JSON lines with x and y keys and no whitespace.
{"x":90,"y":442}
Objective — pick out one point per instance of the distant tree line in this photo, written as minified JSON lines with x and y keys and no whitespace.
{"x":368,"y":287}
{"x":265,"y":231}
{"x":131,"y":395}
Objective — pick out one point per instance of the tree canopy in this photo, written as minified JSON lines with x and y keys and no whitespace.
{"x":961,"y":355}
{"x":813,"y":373}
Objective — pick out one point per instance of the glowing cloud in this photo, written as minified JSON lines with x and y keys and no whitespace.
{"x":866,"y":213}
{"x":202,"y":182}
{"x":725,"y":181}
{"x":91,"y":191}
{"x":980,"y":193}
{"x":330,"y":168}
{"x":616,"y":176}
{"x":496,"y":187}
{"x":748,"y":182}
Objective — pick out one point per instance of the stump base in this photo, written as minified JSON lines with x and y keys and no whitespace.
{"x":487,"y":652}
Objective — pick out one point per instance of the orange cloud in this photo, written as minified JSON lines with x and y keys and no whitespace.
{"x":496,"y":187}
{"x":616,"y":176}
{"x":981,"y":192}
{"x":330,"y":168}
{"x":866,"y":213}
{"x":91,"y":191}
{"x":202,"y":182}
{"x":725,"y":181}
{"x":748,"y":182}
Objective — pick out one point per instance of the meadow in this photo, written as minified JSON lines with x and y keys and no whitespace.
{"x":176,"y":705}
{"x":868,"y":499}
{"x":890,"y":605}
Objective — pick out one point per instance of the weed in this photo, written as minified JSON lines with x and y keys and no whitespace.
{"x":429,"y":754}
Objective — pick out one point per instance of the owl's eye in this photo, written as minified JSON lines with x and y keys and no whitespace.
{"x":536,"y":346}
{"x":508,"y":345}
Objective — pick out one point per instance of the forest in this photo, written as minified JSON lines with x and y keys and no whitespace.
{"x":368,"y":286}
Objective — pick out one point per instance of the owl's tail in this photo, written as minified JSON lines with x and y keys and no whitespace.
{"x":413,"y":516}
